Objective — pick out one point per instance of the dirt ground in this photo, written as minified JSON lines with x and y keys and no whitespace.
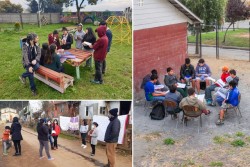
{"x":192,"y":148}
{"x":68,"y":154}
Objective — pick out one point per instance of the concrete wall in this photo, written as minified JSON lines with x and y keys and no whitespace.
{"x":28,"y":17}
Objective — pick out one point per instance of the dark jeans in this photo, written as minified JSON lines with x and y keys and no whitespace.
{"x":104,"y":67}
{"x":98,"y":70}
{"x":208,"y":92}
{"x":55,"y":141}
{"x":31,"y":76}
{"x":83,"y":135}
{"x":93,"y":149}
{"x":17,"y":146}
{"x":44,"y":144}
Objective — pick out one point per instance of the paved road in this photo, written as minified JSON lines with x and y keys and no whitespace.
{"x":234,"y":54}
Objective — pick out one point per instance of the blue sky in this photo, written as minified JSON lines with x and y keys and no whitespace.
{"x":112,"y":5}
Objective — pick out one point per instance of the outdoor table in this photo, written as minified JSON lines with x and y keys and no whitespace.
{"x":80,"y":57}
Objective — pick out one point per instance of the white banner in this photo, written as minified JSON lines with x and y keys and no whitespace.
{"x":64,"y":123}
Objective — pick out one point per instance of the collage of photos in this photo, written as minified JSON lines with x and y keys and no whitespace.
{"x":124,"y":83}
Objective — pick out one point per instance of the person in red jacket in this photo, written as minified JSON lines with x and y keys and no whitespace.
{"x":55,"y":132}
{"x":54,"y":38}
{"x":100,"y":53}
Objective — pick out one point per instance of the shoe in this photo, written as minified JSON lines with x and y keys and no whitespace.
{"x":50,"y":159}
{"x":41,"y":157}
{"x":213,"y":104}
{"x":95,"y":82}
{"x":22,"y":79}
{"x":84,"y":146}
{"x":16,"y":154}
{"x":92,"y":155}
{"x":5,"y":153}
{"x":219,"y":122}
{"x":34,"y":93}
{"x":209,"y":102}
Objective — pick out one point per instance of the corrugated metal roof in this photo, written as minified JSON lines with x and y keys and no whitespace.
{"x":182,"y":8}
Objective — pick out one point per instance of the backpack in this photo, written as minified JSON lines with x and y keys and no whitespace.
{"x":158,"y":112}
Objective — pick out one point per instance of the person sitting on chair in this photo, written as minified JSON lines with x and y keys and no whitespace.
{"x":208,"y":90}
{"x":187,"y":73}
{"x":236,"y":79}
{"x":150,"y":93}
{"x":232,"y":100}
{"x":174,"y":96}
{"x":171,"y":79}
{"x":193,"y":101}
{"x":202,"y":72}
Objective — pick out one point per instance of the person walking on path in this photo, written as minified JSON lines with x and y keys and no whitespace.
{"x":93,"y":134}
{"x":15,"y":132}
{"x":111,"y":136}
{"x":43,"y":132}
{"x":84,"y":130}
{"x":55,"y":132}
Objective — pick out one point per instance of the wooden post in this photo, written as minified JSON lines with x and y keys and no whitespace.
{"x":21,"y":20}
{"x":50,"y":19}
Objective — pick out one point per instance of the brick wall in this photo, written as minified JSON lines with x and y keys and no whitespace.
{"x":158,"y":48}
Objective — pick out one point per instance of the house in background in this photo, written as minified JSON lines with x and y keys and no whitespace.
{"x":64,"y":108}
{"x":7,"y":114}
{"x":160,"y":38}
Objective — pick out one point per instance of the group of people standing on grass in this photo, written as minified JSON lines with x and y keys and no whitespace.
{"x":226,"y":94}
{"x":34,"y":56}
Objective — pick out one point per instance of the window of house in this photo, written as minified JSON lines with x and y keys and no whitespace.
{"x":140,"y":2}
{"x":102,"y":110}
{"x":87,"y":111}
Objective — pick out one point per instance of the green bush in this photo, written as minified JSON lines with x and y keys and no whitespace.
{"x":239,"y":134}
{"x":238,"y":143}
{"x":169,"y":141}
{"x":17,"y":26}
{"x":219,"y":139}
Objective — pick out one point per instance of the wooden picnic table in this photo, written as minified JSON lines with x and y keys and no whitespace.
{"x":81,"y":56}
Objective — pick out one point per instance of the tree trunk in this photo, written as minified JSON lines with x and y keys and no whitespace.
{"x":224,"y":39}
{"x":78,"y":15}
{"x":233,"y":27}
{"x":197,"y":41}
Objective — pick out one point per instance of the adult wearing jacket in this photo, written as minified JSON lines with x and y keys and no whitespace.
{"x":55,"y":132}
{"x":43,"y":132}
{"x":100,"y":53}
{"x":187,"y":73}
{"x":67,"y":39}
{"x":31,"y":59}
{"x":15,"y":131}
{"x":111,"y":136}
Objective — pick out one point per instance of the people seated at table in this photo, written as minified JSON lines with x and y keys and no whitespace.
{"x":54,"y":38}
{"x":171,"y":79}
{"x":147,"y":78}
{"x":202,"y":73}
{"x":208,"y":90}
{"x":44,"y":49}
{"x":79,"y":34}
{"x":52,"y":60}
{"x":67,"y":39}
{"x":194,"y":101}
{"x":232,"y":100}
{"x":187,"y":73}
{"x":90,"y":38}
{"x":150,"y":93}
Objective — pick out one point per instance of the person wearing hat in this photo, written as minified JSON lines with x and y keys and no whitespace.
{"x":79,"y":34}
{"x":16,"y":135}
{"x":31,"y":59}
{"x":67,"y":39}
{"x":208,"y":90}
{"x":110,"y":36}
{"x":111,"y":136}
{"x":43,"y":132}
{"x":93,"y":134}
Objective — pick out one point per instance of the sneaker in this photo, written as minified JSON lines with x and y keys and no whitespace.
{"x":219,"y":122}
{"x":95,"y":82}
{"x":34,"y":93}
{"x":50,"y":159}
{"x":209,"y":102}
{"x":5,"y":153}
{"x":22,"y":79}
{"x":41,"y":157}
{"x":16,"y":154}
{"x":92,"y":155}
{"x":84,"y":146}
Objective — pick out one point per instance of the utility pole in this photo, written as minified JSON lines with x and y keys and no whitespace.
{"x":39,"y":16}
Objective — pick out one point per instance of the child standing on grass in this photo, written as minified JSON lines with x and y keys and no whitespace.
{"x":6,"y":140}
{"x":93,"y":134}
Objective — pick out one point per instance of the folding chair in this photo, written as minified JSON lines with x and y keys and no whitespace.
{"x":172,"y":108}
{"x":236,"y":109}
{"x":193,"y":112}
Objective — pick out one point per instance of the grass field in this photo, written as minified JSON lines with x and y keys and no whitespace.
{"x":238,"y":38}
{"x":117,"y":80}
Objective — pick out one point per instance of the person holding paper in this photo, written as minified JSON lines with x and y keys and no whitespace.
{"x":194,"y":101}
{"x":67,"y":39}
{"x":236,"y":79}
{"x":150,"y":93}
{"x":79,"y":36}
{"x":90,"y":38}
{"x":187,"y":73}
{"x":208,"y":90}
{"x":171,"y":79}
{"x":232,"y":100}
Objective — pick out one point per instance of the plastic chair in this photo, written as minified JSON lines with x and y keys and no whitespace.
{"x":193,"y":112}
{"x":171,"y":108}
{"x":236,"y":108}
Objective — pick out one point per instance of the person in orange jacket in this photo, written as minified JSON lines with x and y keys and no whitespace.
{"x":5,"y":140}
{"x":55,"y":132}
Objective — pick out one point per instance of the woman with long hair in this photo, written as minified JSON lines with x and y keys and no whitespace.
{"x":90,"y":38}
{"x":15,"y":132}
{"x":84,"y":130}
{"x":52,"y":60}
{"x":55,"y":132}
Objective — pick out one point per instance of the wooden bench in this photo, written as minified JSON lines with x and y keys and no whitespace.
{"x":56,"y":80}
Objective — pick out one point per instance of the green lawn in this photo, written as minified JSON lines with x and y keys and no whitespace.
{"x":117,"y":81}
{"x":238,"y":38}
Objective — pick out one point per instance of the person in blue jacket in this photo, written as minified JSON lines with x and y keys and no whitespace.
{"x":232,"y":100}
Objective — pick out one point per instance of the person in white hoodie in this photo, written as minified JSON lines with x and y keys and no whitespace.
{"x":84,"y":130}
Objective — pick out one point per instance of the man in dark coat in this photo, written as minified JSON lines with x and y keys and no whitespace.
{"x":111,"y":136}
{"x":15,"y":131}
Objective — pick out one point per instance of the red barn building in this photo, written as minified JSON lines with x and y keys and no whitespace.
{"x":160,"y":38}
